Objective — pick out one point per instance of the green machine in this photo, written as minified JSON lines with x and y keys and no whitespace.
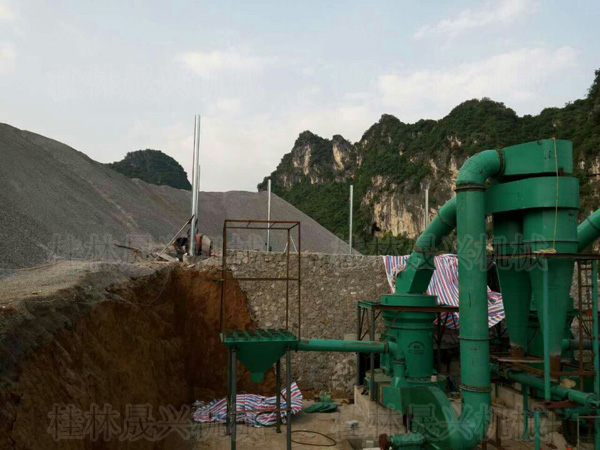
{"x":532,"y":197}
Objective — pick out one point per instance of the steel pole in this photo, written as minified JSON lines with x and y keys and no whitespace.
{"x":536,"y":420}
{"x":233,"y":412}
{"x":373,"y":393}
{"x":195,"y":179}
{"x":596,"y":347}
{"x":426,"y":206}
{"x":278,"y":399}
{"x":525,"y":393}
{"x":358,"y":310}
{"x":546,"y":333}
{"x":269,"y":215}
{"x":350,"y":219}
{"x":288,"y":398}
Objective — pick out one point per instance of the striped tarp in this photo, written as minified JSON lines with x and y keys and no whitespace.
{"x":216,"y":411}
{"x":444,"y":284}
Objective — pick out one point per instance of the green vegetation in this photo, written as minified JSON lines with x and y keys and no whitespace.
{"x":153,"y":166}
{"x":402,"y":155}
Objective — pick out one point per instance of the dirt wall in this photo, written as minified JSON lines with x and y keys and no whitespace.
{"x":149,"y":343}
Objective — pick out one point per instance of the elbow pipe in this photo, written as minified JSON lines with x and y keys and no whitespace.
{"x":569,"y":344}
{"x":588,"y":231}
{"x":332,"y":345}
{"x":472,"y":278}
{"x":477,"y":169}
{"x":415,"y":278}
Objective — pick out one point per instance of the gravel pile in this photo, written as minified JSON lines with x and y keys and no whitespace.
{"x":56,"y":203}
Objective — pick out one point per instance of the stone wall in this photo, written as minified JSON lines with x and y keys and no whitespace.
{"x":330,"y":288}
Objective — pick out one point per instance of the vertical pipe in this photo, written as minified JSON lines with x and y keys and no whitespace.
{"x":536,"y":421}
{"x":223,"y":269}
{"x":373,"y":396}
{"x":227,"y":418}
{"x":195,"y":178}
{"x":473,"y":308}
{"x":299,"y":284}
{"x":350,"y":219}
{"x":288,"y":398}
{"x":287,"y":281}
{"x":269,"y":216}
{"x":357,"y":382}
{"x":233,"y":412}
{"x":426,"y":205}
{"x":278,"y":389}
{"x":525,"y":394}
{"x":545,"y":331}
{"x":596,"y":347}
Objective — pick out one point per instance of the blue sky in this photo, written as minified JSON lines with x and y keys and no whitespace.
{"x":111,"y":77}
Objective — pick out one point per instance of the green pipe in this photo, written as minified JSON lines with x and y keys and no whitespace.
{"x":415,"y":278}
{"x":546,"y":332}
{"x":569,"y":344}
{"x":332,"y":345}
{"x":536,"y":416}
{"x":596,"y":346}
{"x":588,"y":231}
{"x":558,"y":391}
{"x":525,"y":394}
{"x":472,"y":278}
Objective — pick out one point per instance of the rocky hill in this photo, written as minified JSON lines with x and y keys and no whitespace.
{"x":153,"y":166}
{"x":393,"y":160}
{"x":56,"y":203}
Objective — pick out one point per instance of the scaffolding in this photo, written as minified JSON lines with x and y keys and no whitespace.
{"x":276,"y":341}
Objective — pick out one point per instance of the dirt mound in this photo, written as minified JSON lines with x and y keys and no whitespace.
{"x":148,"y":339}
{"x":59,"y":204}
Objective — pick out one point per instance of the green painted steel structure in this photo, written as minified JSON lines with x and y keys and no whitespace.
{"x":533,"y":200}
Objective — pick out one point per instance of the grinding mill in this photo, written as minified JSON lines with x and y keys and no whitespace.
{"x":532,"y":198}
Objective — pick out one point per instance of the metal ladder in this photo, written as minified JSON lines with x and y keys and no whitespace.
{"x":585,"y":308}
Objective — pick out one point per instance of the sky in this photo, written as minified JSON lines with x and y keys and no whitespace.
{"x":109,"y":77}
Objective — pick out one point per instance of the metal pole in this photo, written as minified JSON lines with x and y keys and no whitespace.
{"x":426,"y":206}
{"x":269,"y":215}
{"x":596,"y":347}
{"x":299,"y":282}
{"x":278,"y":399}
{"x":288,"y":398}
{"x":357,"y":382}
{"x":350,"y":220}
{"x":546,"y":332}
{"x":525,"y":394}
{"x":195,"y":180}
{"x":227,"y":418}
{"x":233,"y":412}
{"x":536,"y":420}
{"x":373,"y":356}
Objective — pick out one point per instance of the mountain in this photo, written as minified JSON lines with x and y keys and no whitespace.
{"x":153,"y":166}
{"x":57,"y":203}
{"x":393,"y":160}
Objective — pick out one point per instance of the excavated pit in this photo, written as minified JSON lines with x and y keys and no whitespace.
{"x":148,"y":338}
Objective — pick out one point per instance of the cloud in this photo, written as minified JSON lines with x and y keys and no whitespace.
{"x":7,"y":13}
{"x":501,"y":11}
{"x":229,"y":105}
{"x":209,"y":64}
{"x":7,"y":58}
{"x":520,"y":78}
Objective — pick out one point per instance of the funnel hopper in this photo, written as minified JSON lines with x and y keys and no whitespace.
{"x":258,"y":350}
{"x":549,"y":229}
{"x":513,"y":277}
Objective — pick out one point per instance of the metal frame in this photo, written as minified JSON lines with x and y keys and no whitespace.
{"x":267,"y":225}
{"x":585,"y":263}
